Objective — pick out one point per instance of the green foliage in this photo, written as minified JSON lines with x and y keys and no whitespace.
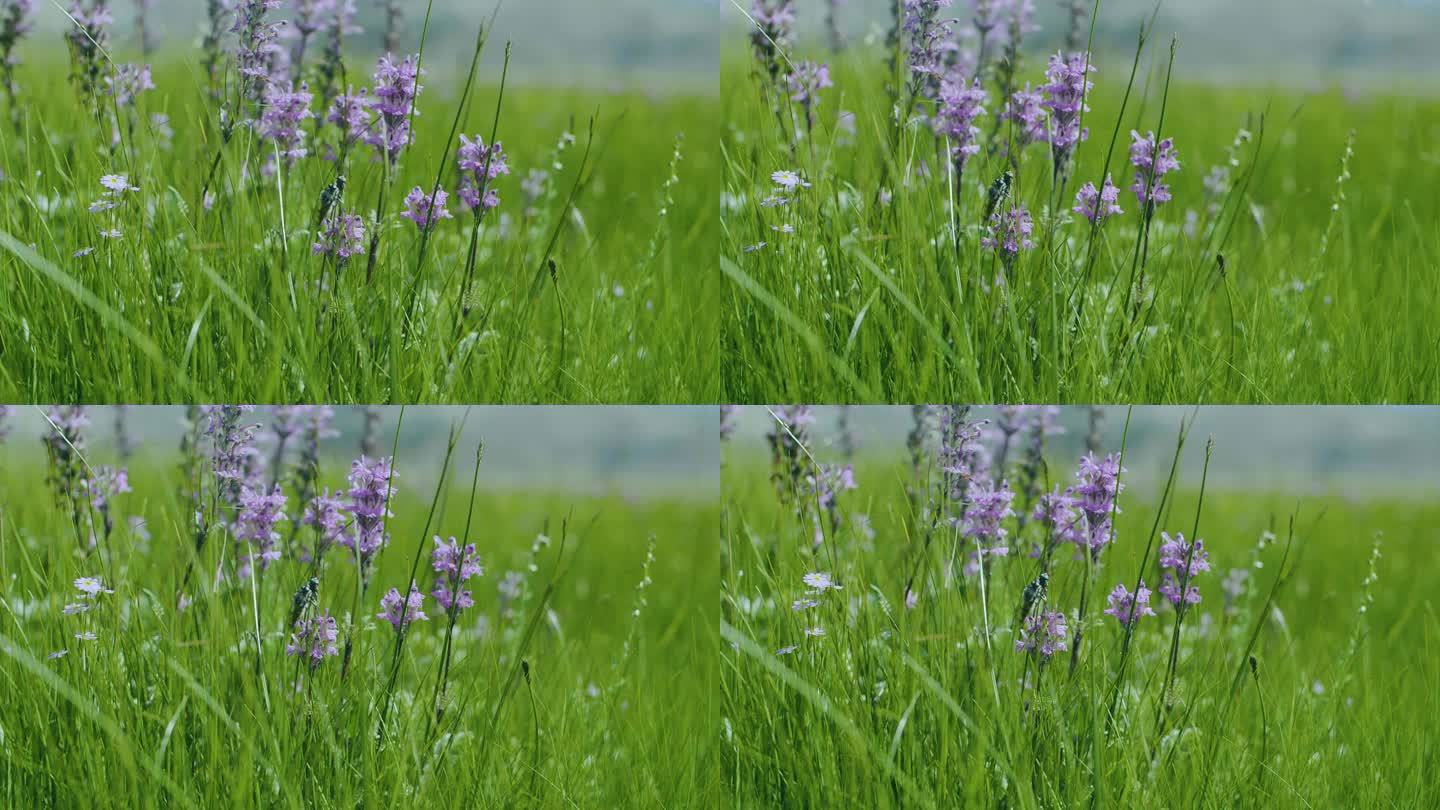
{"x":170,"y":708}
{"x":922,"y":707}
{"x":868,"y":302}
{"x":231,"y":304}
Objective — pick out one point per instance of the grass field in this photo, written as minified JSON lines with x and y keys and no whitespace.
{"x":1307,"y":679}
{"x":585,"y":284}
{"x":578,"y":678}
{"x":1286,"y":283}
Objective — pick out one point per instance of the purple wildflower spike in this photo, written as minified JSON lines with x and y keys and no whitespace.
{"x":399,"y":610}
{"x":454,"y":566}
{"x":1098,"y":205}
{"x":1122,"y":603}
{"x":1152,"y":162}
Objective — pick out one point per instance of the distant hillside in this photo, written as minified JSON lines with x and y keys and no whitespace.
{"x":1296,"y":39}
{"x":575,"y":41}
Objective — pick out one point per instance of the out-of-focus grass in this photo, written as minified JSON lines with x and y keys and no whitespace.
{"x":868,"y":302}
{"x":231,"y":305}
{"x":921,"y":707}
{"x":170,"y":708}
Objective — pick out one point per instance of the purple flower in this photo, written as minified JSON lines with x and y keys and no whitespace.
{"x":454,"y":566}
{"x":314,"y":638}
{"x":1009,"y":233}
{"x":1122,"y":602}
{"x":89,"y":41}
{"x":256,"y":51}
{"x":15,"y":23}
{"x":425,"y":210}
{"x":350,"y":112}
{"x":260,"y":510}
{"x":342,"y":236}
{"x":928,"y":35}
{"x":774,"y":21}
{"x":1095,"y":495}
{"x":1067,"y":85}
{"x":1044,"y":633}
{"x":983,"y":519}
{"x":830,"y":481}
{"x":1098,"y":205}
{"x":397,"y":85}
{"x":104,"y":483}
{"x":281,"y":119}
{"x":129,"y":81}
{"x":479,"y":165}
{"x":807,"y":79}
{"x":234,"y":457}
{"x":64,"y":446}
{"x":1152,"y":162}
{"x":961,"y":103}
{"x":1026,"y":109}
{"x":1058,"y":512}
{"x":369,"y":494}
{"x":1182,"y":561}
{"x":325,"y":513}
{"x":962,"y":456}
{"x":399,"y":611}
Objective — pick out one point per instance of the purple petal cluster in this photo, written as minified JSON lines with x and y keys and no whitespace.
{"x":256,"y":50}
{"x":479,"y":165}
{"x":233,"y":457}
{"x":806,"y":80}
{"x":1181,"y":562}
{"x":831,"y":480}
{"x":314,"y":638}
{"x":350,"y":111}
{"x":399,"y":610}
{"x":929,"y":36}
{"x":1126,"y":607}
{"x":1043,"y":633}
{"x":325,"y":513}
{"x":774,"y":25}
{"x":341,"y":236}
{"x":425,"y":209}
{"x":397,"y":85}
{"x":105,"y":483}
{"x":454,"y":566}
{"x":983,"y":522}
{"x":128,"y":82}
{"x":369,"y":496}
{"x":1009,"y":232}
{"x":1026,"y":109}
{"x":1097,"y":205}
{"x":962,"y":455}
{"x":260,"y":510}
{"x":281,"y":119}
{"x":15,"y":22}
{"x":1067,"y":84}
{"x":1152,"y":161}
{"x":961,"y":103}
{"x":1096,"y":493}
{"x":89,"y":41}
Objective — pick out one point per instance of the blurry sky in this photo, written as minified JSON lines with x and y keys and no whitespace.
{"x":1295,"y":41}
{"x":632,"y":451}
{"x":1286,"y":449}
{"x":651,"y":43}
